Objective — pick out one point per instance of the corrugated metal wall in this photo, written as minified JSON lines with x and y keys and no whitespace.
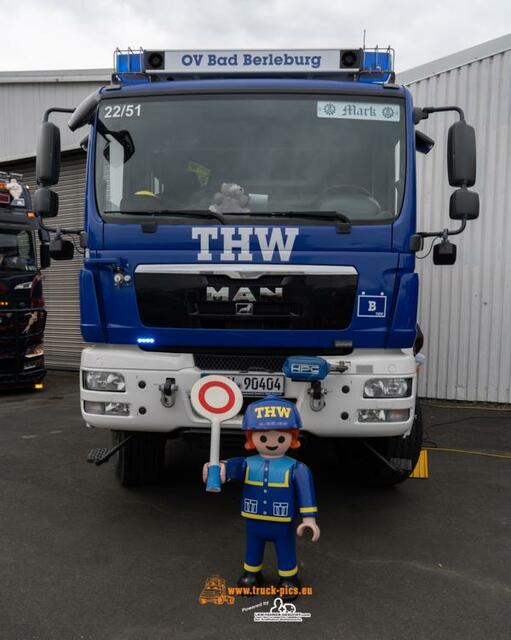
{"x":62,"y":339}
{"x":465,"y":310}
{"x":22,"y":106}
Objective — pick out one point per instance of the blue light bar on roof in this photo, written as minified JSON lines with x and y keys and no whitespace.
{"x":378,"y":60}
{"x":377,"y":63}
{"x":128,"y":61}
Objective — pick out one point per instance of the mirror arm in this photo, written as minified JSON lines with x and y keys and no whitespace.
{"x":417,"y":240}
{"x":423,"y":113}
{"x":55,"y":110}
{"x":58,"y":230}
{"x":444,"y":233}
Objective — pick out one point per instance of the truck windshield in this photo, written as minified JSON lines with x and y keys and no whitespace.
{"x":251,"y":155}
{"x":16,"y":251}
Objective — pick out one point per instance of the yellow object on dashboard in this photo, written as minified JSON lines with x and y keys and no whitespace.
{"x":146,"y":193}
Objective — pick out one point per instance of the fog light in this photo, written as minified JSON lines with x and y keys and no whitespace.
{"x":104,"y":381}
{"x":383,"y":415}
{"x":397,"y":415}
{"x":117,"y":409}
{"x":97,"y":408}
{"x":106,"y":408}
{"x":371,"y":415}
{"x":388,"y":388}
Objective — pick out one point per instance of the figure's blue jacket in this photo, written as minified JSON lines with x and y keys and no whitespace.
{"x":276,"y":490}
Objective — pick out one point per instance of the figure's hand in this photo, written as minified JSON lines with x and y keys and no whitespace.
{"x":205,"y":472}
{"x":309,"y":523}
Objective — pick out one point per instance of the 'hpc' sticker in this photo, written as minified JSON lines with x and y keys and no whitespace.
{"x":372,"y":306}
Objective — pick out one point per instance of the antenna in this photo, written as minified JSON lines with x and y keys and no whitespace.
{"x":364,"y":40}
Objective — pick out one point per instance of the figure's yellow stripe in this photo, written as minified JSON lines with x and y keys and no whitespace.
{"x":249,"y":567}
{"x":255,"y":516}
{"x":247,"y":481}
{"x":308,"y":509}
{"x":280,"y":484}
{"x":286,"y":574}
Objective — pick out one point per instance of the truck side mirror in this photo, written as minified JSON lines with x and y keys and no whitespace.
{"x":464,"y":205}
{"x":44,"y":255}
{"x":46,"y":202}
{"x":461,"y":154}
{"x":61,"y":249}
{"x":47,"y":167}
{"x":444,"y":253}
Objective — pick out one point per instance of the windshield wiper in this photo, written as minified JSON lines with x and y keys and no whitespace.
{"x":197,"y":213}
{"x":343,"y":226}
{"x":343,"y":222}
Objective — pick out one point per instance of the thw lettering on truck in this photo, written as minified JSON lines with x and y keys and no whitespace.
{"x":237,"y":239}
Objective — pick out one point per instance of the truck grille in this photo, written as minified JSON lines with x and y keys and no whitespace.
{"x":271,"y":302}
{"x":227,"y":362}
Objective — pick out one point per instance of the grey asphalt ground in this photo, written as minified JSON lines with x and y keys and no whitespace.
{"x":82,"y":558}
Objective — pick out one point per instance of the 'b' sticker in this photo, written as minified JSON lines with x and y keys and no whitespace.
{"x":372,"y":306}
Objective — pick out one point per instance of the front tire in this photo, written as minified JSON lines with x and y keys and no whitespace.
{"x":141,"y":460}
{"x":381,"y":462}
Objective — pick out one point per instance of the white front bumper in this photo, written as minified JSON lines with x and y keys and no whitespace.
{"x":153,"y":369}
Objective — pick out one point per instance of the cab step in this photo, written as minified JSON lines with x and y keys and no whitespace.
{"x":96,"y":455}
{"x":101,"y":455}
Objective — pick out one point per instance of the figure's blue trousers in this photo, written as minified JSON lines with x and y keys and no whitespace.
{"x":282,"y":534}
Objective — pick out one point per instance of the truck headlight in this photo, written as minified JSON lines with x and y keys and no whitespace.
{"x":33,"y":357}
{"x":388,"y":388}
{"x":104,"y":381}
{"x":106,"y":408}
{"x":34,"y":352}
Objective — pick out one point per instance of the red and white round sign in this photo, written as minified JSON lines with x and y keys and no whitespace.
{"x":216,"y":397}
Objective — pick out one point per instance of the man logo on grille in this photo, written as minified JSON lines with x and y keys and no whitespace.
{"x":244,"y":309}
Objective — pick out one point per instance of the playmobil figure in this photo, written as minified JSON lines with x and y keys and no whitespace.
{"x":276,"y":489}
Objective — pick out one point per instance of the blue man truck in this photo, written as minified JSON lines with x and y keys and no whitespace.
{"x":253,"y":214}
{"x":22,"y":313}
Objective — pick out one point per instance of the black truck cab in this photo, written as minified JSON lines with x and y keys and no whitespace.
{"x":22,"y":313}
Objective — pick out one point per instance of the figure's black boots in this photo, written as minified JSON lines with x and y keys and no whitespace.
{"x":292,"y":584}
{"x":248,"y":579}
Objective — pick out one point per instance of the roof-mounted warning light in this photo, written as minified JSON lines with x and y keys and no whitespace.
{"x":362,"y":64}
{"x":378,"y":65}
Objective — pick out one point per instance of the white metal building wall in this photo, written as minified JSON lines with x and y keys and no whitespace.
{"x":24,"y":96}
{"x":62,"y":338}
{"x":465,"y":310}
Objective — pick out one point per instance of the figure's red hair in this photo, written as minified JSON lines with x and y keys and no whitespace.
{"x":249,"y":443}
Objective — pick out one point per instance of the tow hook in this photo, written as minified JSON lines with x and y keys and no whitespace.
{"x":317,"y":395}
{"x":311,"y":369}
{"x":168,"y":392}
